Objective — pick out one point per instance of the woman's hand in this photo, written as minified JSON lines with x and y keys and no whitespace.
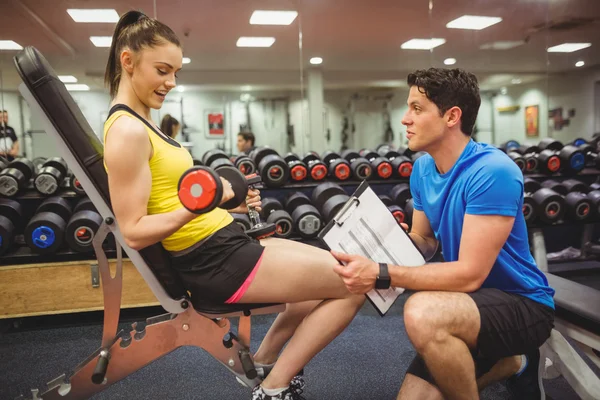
{"x":253,"y":200}
{"x":228,"y":193}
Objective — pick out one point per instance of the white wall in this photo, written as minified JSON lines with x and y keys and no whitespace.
{"x":11,"y":102}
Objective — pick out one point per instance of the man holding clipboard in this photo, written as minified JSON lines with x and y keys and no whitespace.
{"x":480,"y":316}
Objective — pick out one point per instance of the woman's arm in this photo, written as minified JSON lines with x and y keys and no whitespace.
{"x":126,"y":153}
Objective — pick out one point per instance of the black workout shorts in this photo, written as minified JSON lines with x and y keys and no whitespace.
{"x":218,"y":267}
{"x":510,"y":325}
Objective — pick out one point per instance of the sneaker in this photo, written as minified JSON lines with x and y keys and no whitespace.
{"x":528,"y":384}
{"x":288,"y":394}
{"x":297,"y":382}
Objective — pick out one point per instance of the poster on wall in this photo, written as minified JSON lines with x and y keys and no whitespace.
{"x":532,"y":121}
{"x":216,"y":124}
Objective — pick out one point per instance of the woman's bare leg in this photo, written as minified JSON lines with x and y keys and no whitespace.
{"x":292,"y":272}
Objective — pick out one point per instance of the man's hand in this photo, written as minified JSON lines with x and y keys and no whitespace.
{"x":359,"y":274}
{"x":253,"y":199}
{"x":404,"y":226}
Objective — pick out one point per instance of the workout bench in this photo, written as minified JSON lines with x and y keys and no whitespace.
{"x":577,"y":317}
{"x":189,"y":322}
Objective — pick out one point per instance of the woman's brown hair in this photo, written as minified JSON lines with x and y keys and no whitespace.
{"x":167,"y":124}
{"x":135,"y":30}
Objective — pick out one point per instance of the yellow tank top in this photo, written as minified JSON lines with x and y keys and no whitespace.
{"x":169,"y":161}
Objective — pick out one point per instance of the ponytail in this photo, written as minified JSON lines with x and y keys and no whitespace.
{"x":134,"y":30}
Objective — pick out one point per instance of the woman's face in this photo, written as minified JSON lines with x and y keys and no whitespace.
{"x":153,"y":72}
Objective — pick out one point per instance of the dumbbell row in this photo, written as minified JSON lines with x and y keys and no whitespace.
{"x":276,"y":171}
{"x":45,"y":175}
{"x":53,"y":224}
{"x":550,"y":202}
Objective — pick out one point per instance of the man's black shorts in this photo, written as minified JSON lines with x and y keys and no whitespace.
{"x":510,"y":325}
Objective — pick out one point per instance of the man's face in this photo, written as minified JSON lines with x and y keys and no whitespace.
{"x":242,"y":144}
{"x":424,"y":125}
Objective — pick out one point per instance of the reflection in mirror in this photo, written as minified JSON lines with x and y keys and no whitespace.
{"x":501,"y":43}
{"x":240,"y":68}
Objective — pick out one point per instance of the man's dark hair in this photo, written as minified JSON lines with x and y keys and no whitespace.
{"x":247,"y":136}
{"x":448,"y":88}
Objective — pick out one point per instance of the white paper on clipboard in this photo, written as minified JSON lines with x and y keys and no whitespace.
{"x":365,"y":226}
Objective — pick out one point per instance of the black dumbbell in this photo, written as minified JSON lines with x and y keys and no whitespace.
{"x":45,"y":232}
{"x":400,"y":194}
{"x":382,"y":168}
{"x":578,"y":142}
{"x":273,"y":212}
{"x":408,"y":212}
{"x":298,"y":169}
{"x":272,"y":169}
{"x":571,"y":157}
{"x":244,"y":164}
{"x":384,"y":148}
{"x":401,"y":165}
{"x":75,"y":185}
{"x":579,"y":206}
{"x":317,"y":170}
{"x":3,"y":163}
{"x":338,"y":167}
{"x":11,"y":215}
{"x":592,"y":159}
{"x":216,"y":159}
{"x":509,"y":146}
{"x":15,"y":176}
{"x":242,"y":220}
{"x":557,"y":186}
{"x":542,"y":202}
{"x":197,"y":162}
{"x":306,"y":218}
{"x":594,"y":198}
{"x":359,"y":166}
{"x":518,"y":159}
{"x":50,"y":176}
{"x":329,"y":198}
{"x":530,"y":158}
{"x":82,"y":226}
{"x":385,"y":199}
{"x":37,"y":164}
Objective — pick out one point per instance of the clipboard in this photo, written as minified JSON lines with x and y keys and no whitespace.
{"x":366,"y":227}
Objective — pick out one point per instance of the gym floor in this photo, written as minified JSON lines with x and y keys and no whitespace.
{"x":368,"y":361}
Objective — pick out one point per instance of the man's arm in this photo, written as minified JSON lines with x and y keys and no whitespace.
{"x":14,"y":151}
{"x":422,"y":234}
{"x":482,"y":239}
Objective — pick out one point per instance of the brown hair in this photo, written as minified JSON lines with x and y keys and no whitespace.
{"x":167,"y":124}
{"x":247,"y":136}
{"x":135,"y":30}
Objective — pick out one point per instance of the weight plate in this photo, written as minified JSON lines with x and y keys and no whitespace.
{"x":333,"y":205}
{"x":200,"y":190}
{"x":47,"y":181}
{"x":258,"y":154}
{"x":238,"y":184}
{"x":325,"y":191}
{"x":296,"y":200}
{"x":12,"y":210}
{"x":242,"y":220}
{"x":211,"y":155}
{"x":45,"y":232}
{"x":307,"y":221}
{"x":59,"y":164}
{"x":56,"y":205}
{"x":400,"y":194}
{"x":24,"y":165}
{"x":283,"y":223}
{"x":81,"y":229}
{"x":269,"y":205}
{"x":85,"y":204}
{"x":11,"y":180}
{"x":273,"y":170}
{"x":7,"y":230}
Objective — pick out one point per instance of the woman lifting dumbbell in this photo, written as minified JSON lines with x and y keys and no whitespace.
{"x":216,"y":259}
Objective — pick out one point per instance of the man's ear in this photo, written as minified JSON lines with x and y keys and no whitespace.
{"x":453,"y":116}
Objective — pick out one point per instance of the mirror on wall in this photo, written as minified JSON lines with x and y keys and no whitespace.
{"x":240,"y":72}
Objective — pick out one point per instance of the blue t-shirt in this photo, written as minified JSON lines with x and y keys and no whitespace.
{"x":484,"y":181}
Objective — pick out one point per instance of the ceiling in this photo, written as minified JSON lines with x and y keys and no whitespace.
{"x":358,"y":40}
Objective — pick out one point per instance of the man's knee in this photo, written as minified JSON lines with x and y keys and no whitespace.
{"x":421,"y":321}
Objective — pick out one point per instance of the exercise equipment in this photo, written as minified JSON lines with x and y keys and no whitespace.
{"x":298,"y":169}
{"x":244,"y":164}
{"x":592,"y":159}
{"x":15,"y":176}
{"x":3,"y":163}
{"x":258,"y":229}
{"x":579,"y":206}
{"x":272,"y":169}
{"x":273,"y":211}
{"x":385,"y":199}
{"x":200,"y":189}
{"x":306,"y":218}
{"x":408,"y":212}
{"x":11,"y":215}
{"x":509,"y":146}
{"x":82,"y":226}
{"x":518,"y":159}
{"x":242,"y":220}
{"x":329,"y":198}
{"x":571,"y":157}
{"x":50,"y":176}
{"x":37,"y":163}
{"x":401,"y":165}
{"x":529,"y":154}
{"x":45,"y":232}
{"x":382,"y":168}
{"x":338,"y":167}
{"x":542,"y":203}
{"x":75,"y":185}
{"x":317,"y":169}
{"x":360,"y":167}
{"x":400,"y":194}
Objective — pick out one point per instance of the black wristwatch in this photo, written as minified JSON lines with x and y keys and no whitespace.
{"x":383,"y":279}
